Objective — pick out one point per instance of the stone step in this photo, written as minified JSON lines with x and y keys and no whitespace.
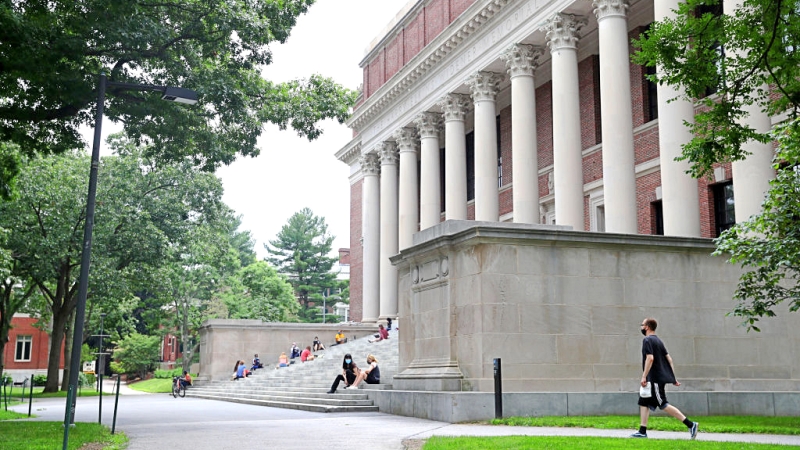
{"x":313,"y":407}
{"x":329,"y":400}
{"x":322,"y":393}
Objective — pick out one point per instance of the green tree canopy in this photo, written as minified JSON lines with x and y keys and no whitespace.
{"x":51,"y":52}
{"x":137,"y":353}
{"x":301,"y":252}
{"x":750,"y":59}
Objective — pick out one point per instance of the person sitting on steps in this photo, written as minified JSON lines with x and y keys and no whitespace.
{"x":283,"y":361}
{"x":383,"y":334}
{"x":349,"y":374}
{"x":372,"y":374}
{"x":340,"y":339}
{"x":317,"y":344}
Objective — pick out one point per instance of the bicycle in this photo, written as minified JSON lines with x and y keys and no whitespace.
{"x":177,"y":388}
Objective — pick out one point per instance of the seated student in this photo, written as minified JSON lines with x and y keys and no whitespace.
{"x":340,"y":339}
{"x":348,"y":375}
{"x":241,"y":371}
{"x":257,"y":363}
{"x":383,"y":333}
{"x":283,"y":360}
{"x":372,"y":374}
{"x":306,"y":354}
{"x":389,"y":323}
{"x":317,"y":345}
{"x":294,"y":352}
{"x":186,"y":379}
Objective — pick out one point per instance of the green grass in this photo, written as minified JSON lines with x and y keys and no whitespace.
{"x":10,"y":415}
{"x":709,"y":424}
{"x":582,"y":443}
{"x":153,"y":386}
{"x":16,"y":392}
{"x":24,"y":435}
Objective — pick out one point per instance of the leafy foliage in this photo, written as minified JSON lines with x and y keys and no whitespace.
{"x":750,"y":58}
{"x":137,"y":353}
{"x":51,"y":52}
{"x":300,"y":252}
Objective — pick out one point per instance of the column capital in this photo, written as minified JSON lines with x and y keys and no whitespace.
{"x":485,"y":86}
{"x":455,"y":106}
{"x":407,"y":139}
{"x":522,"y":59}
{"x":388,"y":153}
{"x":563,"y":31}
{"x":429,"y":124}
{"x":370,"y":164}
{"x":610,"y":8}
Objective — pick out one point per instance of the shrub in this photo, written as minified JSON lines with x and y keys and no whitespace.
{"x":39,"y":380}
{"x":116,"y":367}
{"x":168,"y":373}
{"x":7,"y":379}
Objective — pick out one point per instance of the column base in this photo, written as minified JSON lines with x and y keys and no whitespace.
{"x":430,"y":376}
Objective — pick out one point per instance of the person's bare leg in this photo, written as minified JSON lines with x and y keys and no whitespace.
{"x":674,"y":412}
{"x":644,"y":415}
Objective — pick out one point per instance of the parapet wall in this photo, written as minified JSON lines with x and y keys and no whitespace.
{"x":563,"y":310}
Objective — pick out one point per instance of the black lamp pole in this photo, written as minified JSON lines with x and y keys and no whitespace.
{"x":101,"y":368}
{"x":175,"y":94}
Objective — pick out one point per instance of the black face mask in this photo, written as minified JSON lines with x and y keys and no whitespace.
{"x":644,"y":332}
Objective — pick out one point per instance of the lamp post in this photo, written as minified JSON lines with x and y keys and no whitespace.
{"x":169,"y":93}
{"x":100,"y":370}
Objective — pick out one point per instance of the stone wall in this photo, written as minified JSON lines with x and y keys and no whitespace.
{"x":222,"y":342}
{"x":563,"y":308}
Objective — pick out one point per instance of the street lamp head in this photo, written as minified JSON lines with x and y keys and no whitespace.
{"x":180,"y":95}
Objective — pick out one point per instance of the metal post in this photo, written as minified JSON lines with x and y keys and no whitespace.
{"x":83,"y":286}
{"x":498,"y":390}
{"x":30,"y":397}
{"x":99,"y":370}
{"x":116,"y":402}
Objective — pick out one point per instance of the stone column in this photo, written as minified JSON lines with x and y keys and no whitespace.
{"x":388,"y":280}
{"x":562,"y":37}
{"x":521,"y":60}
{"x":680,"y":197}
{"x":485,"y":86}
{"x":430,"y":187}
{"x":455,"y":155}
{"x":371,"y":234}
{"x":751,"y":176}
{"x":408,"y":144}
{"x":619,"y":173}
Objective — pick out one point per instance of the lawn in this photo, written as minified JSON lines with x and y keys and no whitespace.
{"x":24,"y":435}
{"x":9,"y":415}
{"x":16,"y":393}
{"x":153,"y":386}
{"x":582,"y":443}
{"x":708,"y":424}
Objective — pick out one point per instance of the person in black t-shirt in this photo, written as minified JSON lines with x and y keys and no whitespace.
{"x":658,"y":370}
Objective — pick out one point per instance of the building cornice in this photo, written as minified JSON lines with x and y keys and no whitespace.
{"x":349,"y":153}
{"x":447,"y":41}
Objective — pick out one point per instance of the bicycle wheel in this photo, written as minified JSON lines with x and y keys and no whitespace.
{"x":175,"y":390}
{"x":181,"y":390}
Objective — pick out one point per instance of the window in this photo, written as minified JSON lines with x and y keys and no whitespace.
{"x":601,"y":218}
{"x":717,"y":11}
{"x":652,"y":95}
{"x":657,"y":218}
{"x":471,"y":166}
{"x":724,"y":211}
{"x":23,"y":352}
{"x":499,"y":156}
{"x":597,"y":218}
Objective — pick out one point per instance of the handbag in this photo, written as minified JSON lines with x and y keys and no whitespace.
{"x":645,"y":391}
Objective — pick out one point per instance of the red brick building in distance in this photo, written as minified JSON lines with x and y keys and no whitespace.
{"x":28,"y":349}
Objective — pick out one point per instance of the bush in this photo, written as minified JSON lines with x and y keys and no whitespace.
{"x":168,"y":373}
{"x":39,"y":380}
{"x":7,"y":379}
{"x":86,"y":379}
{"x":116,"y":367}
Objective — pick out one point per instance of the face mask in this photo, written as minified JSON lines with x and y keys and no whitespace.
{"x":644,"y":332}
{"x":347,"y":361}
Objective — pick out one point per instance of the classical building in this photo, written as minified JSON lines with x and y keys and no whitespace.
{"x":515,"y":197}
{"x":527,"y":112}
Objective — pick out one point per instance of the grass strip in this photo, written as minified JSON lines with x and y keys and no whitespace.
{"x":708,"y":424}
{"x":25,"y":435}
{"x":38,"y":392}
{"x":11,"y":415}
{"x":153,"y":386}
{"x":583,"y":443}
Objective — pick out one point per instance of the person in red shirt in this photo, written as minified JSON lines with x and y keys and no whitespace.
{"x":383,"y":333}
{"x":306,"y":354}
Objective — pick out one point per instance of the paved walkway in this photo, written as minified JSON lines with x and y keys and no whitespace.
{"x":160,"y":421}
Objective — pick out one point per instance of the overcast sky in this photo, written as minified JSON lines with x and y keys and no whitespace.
{"x":292,"y":173}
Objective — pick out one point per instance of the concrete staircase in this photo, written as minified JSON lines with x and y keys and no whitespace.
{"x":304,"y":386}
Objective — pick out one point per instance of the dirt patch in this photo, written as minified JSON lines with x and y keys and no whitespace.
{"x":413,"y":444}
{"x":92,"y":446}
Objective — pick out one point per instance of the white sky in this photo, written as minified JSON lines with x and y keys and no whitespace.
{"x":292,"y":173}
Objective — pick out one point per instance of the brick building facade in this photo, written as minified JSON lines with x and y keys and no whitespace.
{"x":438,"y":46}
{"x":28,"y":349}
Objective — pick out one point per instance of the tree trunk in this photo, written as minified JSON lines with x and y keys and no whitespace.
{"x":54,"y":358}
{"x":2,"y":350}
{"x":70,"y":334}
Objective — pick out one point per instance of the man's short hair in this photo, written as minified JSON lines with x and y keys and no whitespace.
{"x":651,"y":323}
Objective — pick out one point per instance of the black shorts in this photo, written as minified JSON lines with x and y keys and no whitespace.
{"x":658,"y":398}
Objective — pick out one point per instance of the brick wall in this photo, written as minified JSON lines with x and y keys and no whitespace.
{"x":645,"y":145}
{"x":639,"y":101}
{"x":544,"y":126}
{"x":589,"y":88}
{"x":413,"y":37}
{"x":505,"y":145}
{"x":40,"y":346}
{"x":356,"y":254}
{"x":394,"y":56}
{"x":437,"y":17}
{"x":645,"y":195}
{"x":592,"y":167}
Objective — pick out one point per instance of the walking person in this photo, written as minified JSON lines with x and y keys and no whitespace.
{"x":657,"y":370}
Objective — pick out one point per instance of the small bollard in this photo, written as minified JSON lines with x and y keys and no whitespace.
{"x":30,"y":397}
{"x":498,"y":390}
{"x":116,"y":403}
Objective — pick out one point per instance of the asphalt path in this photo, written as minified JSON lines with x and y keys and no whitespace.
{"x":158,"y":421}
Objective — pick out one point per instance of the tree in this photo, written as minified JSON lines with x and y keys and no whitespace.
{"x":137,"y":353}
{"x":260,"y":293}
{"x":301,"y":253}
{"x":52,"y":51}
{"x":749,"y":59}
